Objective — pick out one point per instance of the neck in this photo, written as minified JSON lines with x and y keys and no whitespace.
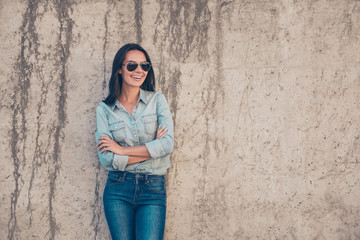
{"x":129,"y":94}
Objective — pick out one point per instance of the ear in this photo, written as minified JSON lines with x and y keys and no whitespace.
{"x":120,"y":71}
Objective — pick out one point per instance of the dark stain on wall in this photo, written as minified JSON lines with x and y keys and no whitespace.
{"x":185,"y":25}
{"x":213,"y":102}
{"x":104,"y":84}
{"x":138,"y":20}
{"x":41,"y":151}
{"x":201,"y":26}
{"x":181,"y":30}
{"x":24,"y":69}
{"x":181,"y":36}
{"x":63,"y":48}
{"x":97,"y":206}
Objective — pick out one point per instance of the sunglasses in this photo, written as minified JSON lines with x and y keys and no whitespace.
{"x":132,"y":65}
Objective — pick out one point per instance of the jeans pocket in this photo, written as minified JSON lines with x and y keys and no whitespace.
{"x":156,"y":185}
{"x":114,"y":179}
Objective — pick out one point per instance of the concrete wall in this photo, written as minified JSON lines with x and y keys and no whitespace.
{"x":266,"y":101}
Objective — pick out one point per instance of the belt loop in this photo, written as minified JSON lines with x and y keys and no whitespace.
{"x":124,"y":175}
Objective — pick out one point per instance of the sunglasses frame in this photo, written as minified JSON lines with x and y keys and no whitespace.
{"x":137,"y":64}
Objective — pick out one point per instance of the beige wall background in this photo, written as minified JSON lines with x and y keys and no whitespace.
{"x":265,"y":97}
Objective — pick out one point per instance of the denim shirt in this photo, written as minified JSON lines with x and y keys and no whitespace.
{"x":139,"y":128}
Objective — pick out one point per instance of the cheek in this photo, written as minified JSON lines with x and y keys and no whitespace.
{"x":125,"y":76}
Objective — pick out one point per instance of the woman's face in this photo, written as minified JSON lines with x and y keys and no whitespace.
{"x":136,"y":77}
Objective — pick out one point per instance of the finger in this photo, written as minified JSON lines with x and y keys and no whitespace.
{"x":161,"y":127}
{"x":103,"y":145}
{"x":163,"y":130}
{"x":100,"y":148}
{"x":103,"y":138}
{"x":101,"y":142}
{"x":104,"y":149}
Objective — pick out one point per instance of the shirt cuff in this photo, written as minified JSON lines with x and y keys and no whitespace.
{"x":155,"y":149}
{"x":120,"y":162}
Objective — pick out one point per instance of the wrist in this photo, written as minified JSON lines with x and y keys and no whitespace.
{"x":120,"y":150}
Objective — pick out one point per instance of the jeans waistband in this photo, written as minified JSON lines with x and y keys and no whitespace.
{"x":140,"y":176}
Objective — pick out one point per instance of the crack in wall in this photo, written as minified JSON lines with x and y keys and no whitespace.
{"x":24,"y":70}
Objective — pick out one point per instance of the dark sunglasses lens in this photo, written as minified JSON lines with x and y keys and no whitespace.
{"x":131,"y":66}
{"x":146,"y":66}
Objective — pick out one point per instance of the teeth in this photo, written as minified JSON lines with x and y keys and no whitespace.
{"x":137,"y":77}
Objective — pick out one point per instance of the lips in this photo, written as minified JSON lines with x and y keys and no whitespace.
{"x":137,"y":77}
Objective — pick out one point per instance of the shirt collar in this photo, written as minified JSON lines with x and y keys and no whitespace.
{"x":142,"y":97}
{"x":116,"y":104}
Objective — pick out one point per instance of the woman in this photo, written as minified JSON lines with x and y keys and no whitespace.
{"x":134,"y":137}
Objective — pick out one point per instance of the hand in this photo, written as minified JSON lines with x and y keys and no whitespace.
{"x":107,"y":144}
{"x":161,"y":132}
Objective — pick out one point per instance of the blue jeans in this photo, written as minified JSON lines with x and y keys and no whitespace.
{"x":135,"y":205}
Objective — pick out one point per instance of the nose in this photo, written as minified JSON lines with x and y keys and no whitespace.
{"x":138,"y":69}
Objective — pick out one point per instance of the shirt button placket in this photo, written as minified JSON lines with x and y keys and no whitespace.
{"x":134,"y":129}
{"x":136,"y":136}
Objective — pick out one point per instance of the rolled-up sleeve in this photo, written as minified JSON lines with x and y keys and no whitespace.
{"x":108,"y":160}
{"x":164,"y":146}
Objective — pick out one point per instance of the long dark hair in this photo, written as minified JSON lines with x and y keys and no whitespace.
{"x":115,"y":83}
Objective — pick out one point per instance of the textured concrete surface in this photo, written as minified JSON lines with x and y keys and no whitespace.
{"x":266,"y":101}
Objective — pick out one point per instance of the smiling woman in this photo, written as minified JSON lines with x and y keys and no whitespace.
{"x":134,"y":137}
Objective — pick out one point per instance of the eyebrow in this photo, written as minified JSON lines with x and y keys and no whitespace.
{"x":136,"y":61}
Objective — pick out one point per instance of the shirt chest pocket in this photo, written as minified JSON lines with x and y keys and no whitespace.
{"x":117,"y":129}
{"x":150,"y":123}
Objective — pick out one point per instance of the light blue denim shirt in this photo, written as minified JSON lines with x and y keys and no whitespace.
{"x":139,"y":128}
